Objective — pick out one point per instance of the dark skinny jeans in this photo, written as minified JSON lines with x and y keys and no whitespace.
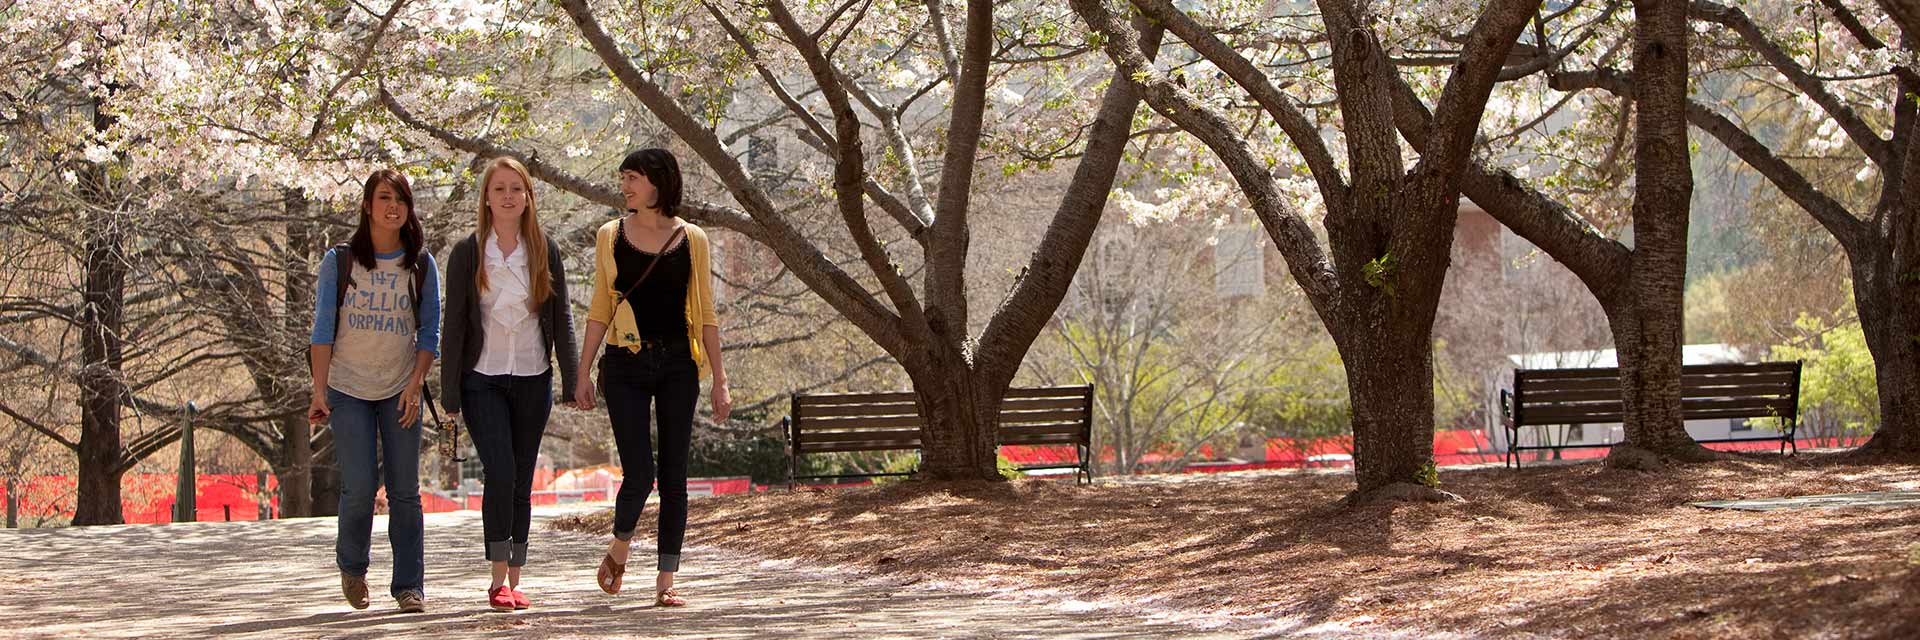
{"x":660,"y":379}
{"x":506,"y":416}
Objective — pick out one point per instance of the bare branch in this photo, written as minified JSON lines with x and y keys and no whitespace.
{"x":353,"y":70}
{"x":37,"y":426}
{"x":821,"y":274}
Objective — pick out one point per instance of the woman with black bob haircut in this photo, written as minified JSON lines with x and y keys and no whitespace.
{"x":652,"y":314}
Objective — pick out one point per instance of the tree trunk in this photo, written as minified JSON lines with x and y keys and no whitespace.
{"x":1886,"y":287}
{"x":1888,"y":320}
{"x":1647,"y":341}
{"x":296,"y":475}
{"x":1648,"y":324}
{"x":324,"y":477}
{"x":1390,"y":386}
{"x":959,"y":441}
{"x":101,"y":386}
{"x":296,"y":490}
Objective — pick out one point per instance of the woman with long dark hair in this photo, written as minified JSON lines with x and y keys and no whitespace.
{"x":653,"y":315}
{"x":507,"y":318}
{"x":376,"y":328}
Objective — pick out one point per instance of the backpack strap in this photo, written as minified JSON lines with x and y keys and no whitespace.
{"x":414,"y":287}
{"x":342,"y":280}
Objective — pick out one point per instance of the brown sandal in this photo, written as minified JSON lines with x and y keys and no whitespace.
{"x":669,"y":598}
{"x":610,"y":573}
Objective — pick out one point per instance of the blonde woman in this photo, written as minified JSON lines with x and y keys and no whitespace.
{"x":507,"y":319}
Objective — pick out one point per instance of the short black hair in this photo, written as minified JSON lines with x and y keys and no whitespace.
{"x":663,"y":171}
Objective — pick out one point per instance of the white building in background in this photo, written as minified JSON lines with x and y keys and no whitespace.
{"x":1592,"y":434}
{"x":1239,"y":259}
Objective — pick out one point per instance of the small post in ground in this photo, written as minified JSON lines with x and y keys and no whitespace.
{"x":185,"y":508}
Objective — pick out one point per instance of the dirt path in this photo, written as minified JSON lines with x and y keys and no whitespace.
{"x":276,"y":580}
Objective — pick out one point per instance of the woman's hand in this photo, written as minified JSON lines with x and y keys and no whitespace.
{"x":722,"y":401}
{"x":409,"y":406}
{"x":583,"y":393}
{"x":317,"y":409}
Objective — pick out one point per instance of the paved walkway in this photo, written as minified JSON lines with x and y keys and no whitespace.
{"x":276,"y":579}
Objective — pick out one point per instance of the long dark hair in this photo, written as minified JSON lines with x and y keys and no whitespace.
{"x":663,"y":171}
{"x":411,"y":235}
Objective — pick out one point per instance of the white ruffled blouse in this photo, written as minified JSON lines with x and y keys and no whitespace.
{"x":512,"y":345}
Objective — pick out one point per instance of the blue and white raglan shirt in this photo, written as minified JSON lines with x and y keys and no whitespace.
{"x":377,"y":337}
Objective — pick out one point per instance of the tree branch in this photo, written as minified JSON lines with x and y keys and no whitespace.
{"x":37,"y":426}
{"x":353,"y":70}
{"x":947,"y":256}
{"x":1021,"y":317}
{"x":1306,"y":136}
{"x":1857,"y":129}
{"x":1296,"y":239}
{"x":825,"y":278}
{"x":1829,"y":212}
{"x":849,"y":167}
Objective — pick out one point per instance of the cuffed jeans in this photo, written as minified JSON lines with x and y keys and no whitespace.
{"x":506,"y":416}
{"x":661,"y":378}
{"x":364,"y":433}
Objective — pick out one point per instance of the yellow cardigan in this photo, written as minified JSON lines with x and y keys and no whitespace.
{"x":622,"y":329}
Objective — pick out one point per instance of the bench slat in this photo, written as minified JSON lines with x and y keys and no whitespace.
{"x":1031,"y":404}
{"x":902,"y":435}
{"x":840,"y":447}
{"x":1691,"y":369}
{"x":1044,"y":439}
{"x":1029,"y":417}
{"x":1042,"y":429}
{"x":854,"y":398}
{"x":809,"y":425}
{"x":1048,"y":392}
{"x":1533,"y":375}
{"x":1735,"y":413}
{"x":857,"y":410}
{"x":1534,"y":397}
{"x":1689,"y":410}
{"x":913,"y":408}
{"x":1783,"y":380}
{"x":1742,"y":367}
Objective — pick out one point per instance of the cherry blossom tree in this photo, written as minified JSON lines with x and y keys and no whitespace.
{"x":1389,"y":228}
{"x":844,"y":79}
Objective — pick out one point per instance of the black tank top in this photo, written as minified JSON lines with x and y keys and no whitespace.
{"x":660,"y":303}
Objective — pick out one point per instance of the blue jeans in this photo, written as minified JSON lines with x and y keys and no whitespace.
{"x":365,"y":433}
{"x":506,"y":416}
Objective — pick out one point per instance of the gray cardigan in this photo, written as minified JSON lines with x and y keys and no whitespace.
{"x":462,"y":336}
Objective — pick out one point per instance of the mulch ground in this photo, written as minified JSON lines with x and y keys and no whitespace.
{"x":1566,"y":551}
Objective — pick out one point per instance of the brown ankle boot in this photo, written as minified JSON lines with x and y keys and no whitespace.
{"x":355,"y":588}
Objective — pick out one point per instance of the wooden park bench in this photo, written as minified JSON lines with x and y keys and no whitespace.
{"x":844,"y":422}
{"x":1556,"y":397}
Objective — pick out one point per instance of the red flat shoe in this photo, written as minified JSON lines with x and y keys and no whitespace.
{"x":520,"y":600}
{"x":500,"y":598}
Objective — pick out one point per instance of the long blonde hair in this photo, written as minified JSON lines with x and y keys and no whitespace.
{"x":541,"y":280}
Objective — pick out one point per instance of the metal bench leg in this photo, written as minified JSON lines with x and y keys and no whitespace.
{"x":1086,"y":464}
